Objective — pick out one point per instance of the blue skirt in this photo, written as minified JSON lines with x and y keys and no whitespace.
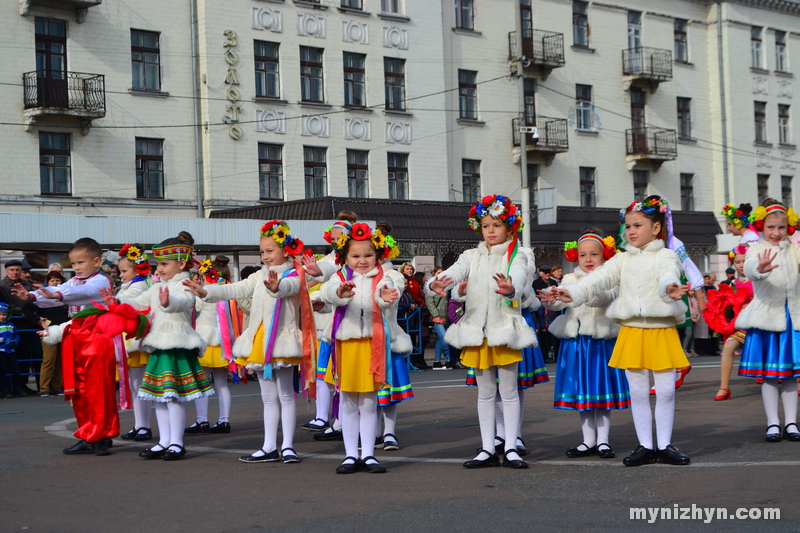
{"x":771,"y":354}
{"x":323,"y":358}
{"x":584,"y":381}
{"x":401,"y":387}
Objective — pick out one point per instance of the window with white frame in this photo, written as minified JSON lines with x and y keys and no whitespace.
{"x":54,"y":163}
{"x":762,"y":183}
{"x":316,"y":171}
{"x":786,"y":191}
{"x":267,"y":69}
{"x":784,"y":125}
{"x":641,"y":179}
{"x":468,"y":94}
{"x":781,"y":61}
{"x":756,"y":47}
{"x":470,"y":180}
{"x":392,"y":6}
{"x":464,"y":14}
{"x":270,"y":171}
{"x":681,"y":41}
{"x":397,"y":165}
{"x":580,"y":23}
{"x":687,"y":192}
{"x":357,"y":174}
{"x":311,"y":86}
{"x":533,"y":184}
{"x":355,"y":94}
{"x":394,"y":76}
{"x":149,"y":168}
{"x":684,"y":118}
{"x":353,"y":4}
{"x":584,"y":110}
{"x":760,"y":119}
{"x":587,"y":186}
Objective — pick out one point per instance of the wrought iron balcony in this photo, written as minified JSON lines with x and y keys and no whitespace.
{"x":651,"y":64}
{"x":655,"y":144}
{"x":550,"y":138}
{"x":543,"y":48}
{"x":74,"y":94}
{"x":81,"y":7}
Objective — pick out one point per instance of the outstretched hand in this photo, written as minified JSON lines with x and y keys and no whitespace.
{"x":20,"y":292}
{"x":163,"y":296}
{"x":272,"y":282}
{"x":765,"y":260}
{"x":389,"y":294}
{"x":462,"y":288}
{"x":676,"y":291}
{"x":345,"y":290}
{"x":108,"y":296}
{"x":504,"y":285}
{"x":44,"y":292}
{"x":195,"y":288}
{"x":311,"y":266}
{"x":547,"y":296}
{"x":561,"y":294}
{"x":440,"y":283}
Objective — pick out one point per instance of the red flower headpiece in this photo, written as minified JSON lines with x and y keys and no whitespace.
{"x":280,"y":232}
{"x":608,"y":243}
{"x":137,"y":257}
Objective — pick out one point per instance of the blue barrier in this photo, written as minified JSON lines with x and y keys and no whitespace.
{"x":406,"y":323}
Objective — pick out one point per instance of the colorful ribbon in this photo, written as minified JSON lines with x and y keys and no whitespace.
{"x":272,"y":334}
{"x":308,"y":370}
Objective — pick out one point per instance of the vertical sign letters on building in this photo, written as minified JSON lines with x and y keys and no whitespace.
{"x":232,"y":82}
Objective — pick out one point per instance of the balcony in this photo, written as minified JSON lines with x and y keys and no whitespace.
{"x":651,"y":144}
{"x":70,"y":94}
{"x":648,"y":65}
{"x":81,"y":7}
{"x":552,"y":137}
{"x":544,"y":49}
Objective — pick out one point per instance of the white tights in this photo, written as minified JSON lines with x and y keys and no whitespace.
{"x":639,"y":381}
{"x":141,"y":408}
{"x":323,"y":399}
{"x":500,"y":424}
{"x":353,"y":404}
{"x":389,"y":415}
{"x":223,"y":393}
{"x":487,"y":389}
{"x":278,"y":390}
{"x":770,"y":390}
{"x":171,"y":417}
{"x":595,"y":426}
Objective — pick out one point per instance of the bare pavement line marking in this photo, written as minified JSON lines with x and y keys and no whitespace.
{"x":60,"y":429}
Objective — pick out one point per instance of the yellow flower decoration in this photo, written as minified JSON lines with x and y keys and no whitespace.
{"x":758,"y":213}
{"x":610,"y":242}
{"x":341,"y":241}
{"x":378,"y":239}
{"x":280,"y":234}
{"x":791,"y":214}
{"x":205,"y":266}
{"x":134,"y":253}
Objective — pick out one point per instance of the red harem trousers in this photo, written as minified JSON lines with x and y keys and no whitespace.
{"x":90,"y":382}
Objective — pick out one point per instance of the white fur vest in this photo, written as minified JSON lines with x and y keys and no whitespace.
{"x":588,"y":319}
{"x":772,"y":290}
{"x":131,"y":290}
{"x":402,"y":342}
{"x":487,"y":314}
{"x":643,"y":275}
{"x":206,"y":322}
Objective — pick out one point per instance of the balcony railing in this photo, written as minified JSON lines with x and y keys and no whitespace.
{"x":647,"y":63}
{"x":652,"y":143}
{"x":552,"y":134}
{"x":65,"y":93}
{"x":543,"y":48}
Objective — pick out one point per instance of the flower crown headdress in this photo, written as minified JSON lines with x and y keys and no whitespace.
{"x":280,"y":232}
{"x":175,"y":252}
{"x":647,"y":207}
{"x":385,"y":246}
{"x":137,"y":257}
{"x":608,"y":243}
{"x":343,"y":225}
{"x":735,"y":215}
{"x":496,"y":206}
{"x":739,"y":250}
{"x":760,"y":213}
{"x":210,"y":275}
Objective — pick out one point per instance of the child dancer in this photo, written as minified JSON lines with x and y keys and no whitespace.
{"x":360,"y":340}
{"x":214,"y":361}
{"x":134,"y":272}
{"x":772,"y":346}
{"x":173,"y":375}
{"x":739,"y":222}
{"x":585,"y":381}
{"x":492,"y":332}
{"x":648,"y":309}
{"x":272,"y":345}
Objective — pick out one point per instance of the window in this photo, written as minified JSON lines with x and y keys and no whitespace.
{"x":467,"y":94}
{"x":311,"y":74}
{"x":270,"y":171}
{"x":781,"y":64}
{"x":357,"y":174}
{"x":640,"y":181}
{"x":316,"y":171}
{"x":763,"y":187}
{"x":584,"y":110}
{"x":355,"y":94}
{"x":145,"y":60}
{"x":786,"y":190}
{"x":681,"y":42}
{"x":784,"y":125}
{"x":684,"y":118}
{"x":587,"y":186}
{"x":760,"y":115}
{"x":54,"y":165}
{"x":267,"y":69}
{"x":580,"y":23}
{"x":464,"y":14}
{"x":391,"y":6}
{"x":756,"y":57}
{"x":352,"y":4}
{"x":529,"y":90}
{"x":398,"y":176}
{"x":395,"y":82}
{"x":470,"y":180}
{"x":687,"y":192}
{"x":533,"y":184}
{"x":149,"y":168}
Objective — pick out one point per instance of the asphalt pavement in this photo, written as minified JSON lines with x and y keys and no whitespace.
{"x":733,"y":471}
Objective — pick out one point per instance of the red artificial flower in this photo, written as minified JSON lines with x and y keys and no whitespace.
{"x":294,"y":248}
{"x":512,"y":210}
{"x":608,"y":252}
{"x":571,"y":255}
{"x":791,"y":230}
{"x":473,"y":211}
{"x":327,"y":236}
{"x":487,"y":200}
{"x":211,"y":276}
{"x":759,"y":226}
{"x":124,"y":250}
{"x":361,"y":232}
{"x":143,"y":268}
{"x":268,"y":226}
{"x":517,"y":223}
{"x":739,"y":213}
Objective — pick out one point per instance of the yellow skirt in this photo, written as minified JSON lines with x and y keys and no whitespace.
{"x":138,"y":359}
{"x":649,"y":349}
{"x":213,"y":358}
{"x":257,"y":353}
{"x":352,"y":359}
{"x":485,"y":356}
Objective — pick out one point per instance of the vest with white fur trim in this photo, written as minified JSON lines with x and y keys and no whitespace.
{"x":588,"y":319}
{"x":402,"y":342}
{"x":357,"y":321}
{"x":643,"y":275}
{"x":131,"y":290}
{"x":529,"y":297}
{"x":487,"y":314}
{"x":289,"y":340}
{"x":772,"y":290}
{"x":206,"y":322}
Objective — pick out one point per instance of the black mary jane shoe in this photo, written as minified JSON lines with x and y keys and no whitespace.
{"x":774,"y":437}
{"x":334,"y":434}
{"x":289,"y":456}
{"x":607,"y":452}
{"x":671,"y":456}
{"x":513,"y":463}
{"x":793,"y":436}
{"x":317,"y":424}
{"x":577,"y":452}
{"x":270,"y":457}
{"x":79,"y":447}
{"x":172,"y":455}
{"x":372,"y":468}
{"x":491,"y":460}
{"x":147,"y":435}
{"x":150,"y":453}
{"x":522,"y":450}
{"x":130,"y":435}
{"x":348,"y":468}
{"x":640,"y":456}
{"x":197,"y":427}
{"x":220,"y":427}
{"x":499,"y":448}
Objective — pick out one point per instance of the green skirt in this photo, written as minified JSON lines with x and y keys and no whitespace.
{"x":174,"y":374}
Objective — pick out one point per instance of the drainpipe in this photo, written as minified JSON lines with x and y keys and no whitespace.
{"x":197,"y":128}
{"x":724,"y":117}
